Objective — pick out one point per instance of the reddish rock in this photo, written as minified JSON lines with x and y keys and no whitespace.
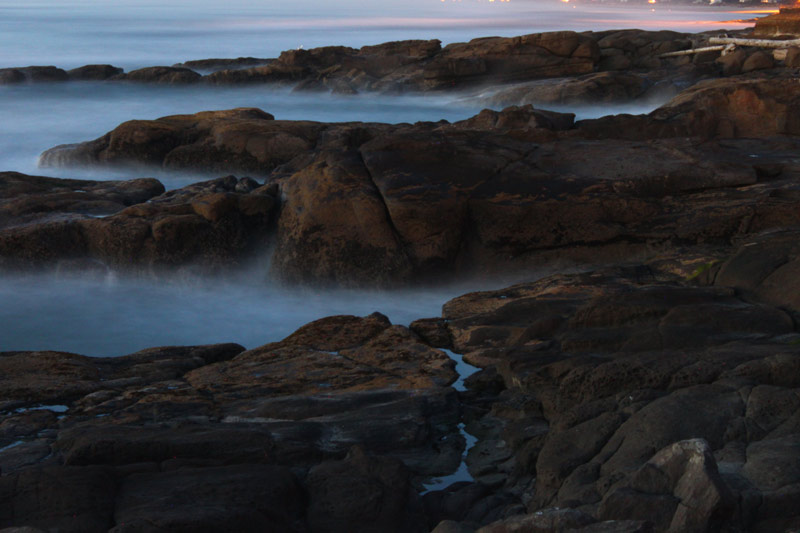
{"x":758,"y":60}
{"x":786,"y":22}
{"x":793,"y":57}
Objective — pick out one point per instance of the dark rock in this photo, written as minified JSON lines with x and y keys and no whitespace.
{"x":55,"y":377}
{"x":165,"y":75}
{"x":451,"y":526}
{"x":685,"y":471}
{"x":127,"y":444}
{"x":785,"y":22}
{"x":10,"y":76}
{"x":433,"y":331}
{"x":243,"y":497}
{"x":94,"y":72}
{"x":64,"y":498}
{"x":606,"y":400}
{"x":764,"y":266}
{"x":793,"y":57}
{"x":341,"y":353}
{"x":518,"y":118}
{"x":437,"y":198}
{"x":26,"y":200}
{"x":730,"y":107}
{"x":545,"y":520}
{"x":363,"y":493}
{"x":589,"y":88}
{"x":213,"y":65}
{"x":207,"y":224}
{"x":758,"y":60}
{"x":541,"y":55}
{"x":733,"y":62}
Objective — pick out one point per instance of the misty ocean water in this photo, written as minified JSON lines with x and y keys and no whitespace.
{"x":113,"y":316}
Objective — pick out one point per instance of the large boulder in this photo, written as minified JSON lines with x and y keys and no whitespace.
{"x":10,"y":76}
{"x":679,"y":489}
{"x":94,"y":72}
{"x":765,"y":266}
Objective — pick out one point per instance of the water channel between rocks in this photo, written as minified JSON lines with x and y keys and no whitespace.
{"x":464,"y":370}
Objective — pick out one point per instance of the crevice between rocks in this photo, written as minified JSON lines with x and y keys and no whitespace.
{"x":398,"y":238}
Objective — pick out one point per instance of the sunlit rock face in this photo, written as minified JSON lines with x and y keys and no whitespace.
{"x":787,"y":22}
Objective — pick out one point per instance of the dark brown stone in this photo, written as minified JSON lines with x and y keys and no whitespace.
{"x":363,"y":493}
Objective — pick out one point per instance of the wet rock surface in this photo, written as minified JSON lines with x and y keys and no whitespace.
{"x":583,"y":67}
{"x":654,"y":388}
{"x":626,"y":400}
{"x":647,"y":387}
{"x":380,"y":204}
{"x":207,"y":437}
{"x":131,"y":225}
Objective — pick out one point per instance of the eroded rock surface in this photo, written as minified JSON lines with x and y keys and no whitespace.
{"x":133,"y":225}
{"x":648,"y":390}
{"x":330,"y":429}
{"x":385,"y":204}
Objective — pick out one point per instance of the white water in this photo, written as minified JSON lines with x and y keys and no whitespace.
{"x":113,"y":317}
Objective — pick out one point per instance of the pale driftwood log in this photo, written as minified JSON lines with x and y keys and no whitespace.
{"x":762,"y":43}
{"x":724,"y":48}
{"x":694,"y":51}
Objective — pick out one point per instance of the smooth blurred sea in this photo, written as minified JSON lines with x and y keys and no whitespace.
{"x":111,"y":316}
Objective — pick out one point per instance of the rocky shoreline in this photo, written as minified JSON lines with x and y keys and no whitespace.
{"x":656,"y":388}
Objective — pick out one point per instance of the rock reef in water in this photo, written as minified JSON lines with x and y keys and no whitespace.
{"x":624,"y":399}
{"x":381,"y":204}
{"x":544,"y":68}
{"x":655,"y":390}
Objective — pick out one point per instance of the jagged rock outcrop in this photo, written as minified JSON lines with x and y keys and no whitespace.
{"x":618,"y":365}
{"x":210,"y":436}
{"x":134,"y":225}
{"x":382,"y":204}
